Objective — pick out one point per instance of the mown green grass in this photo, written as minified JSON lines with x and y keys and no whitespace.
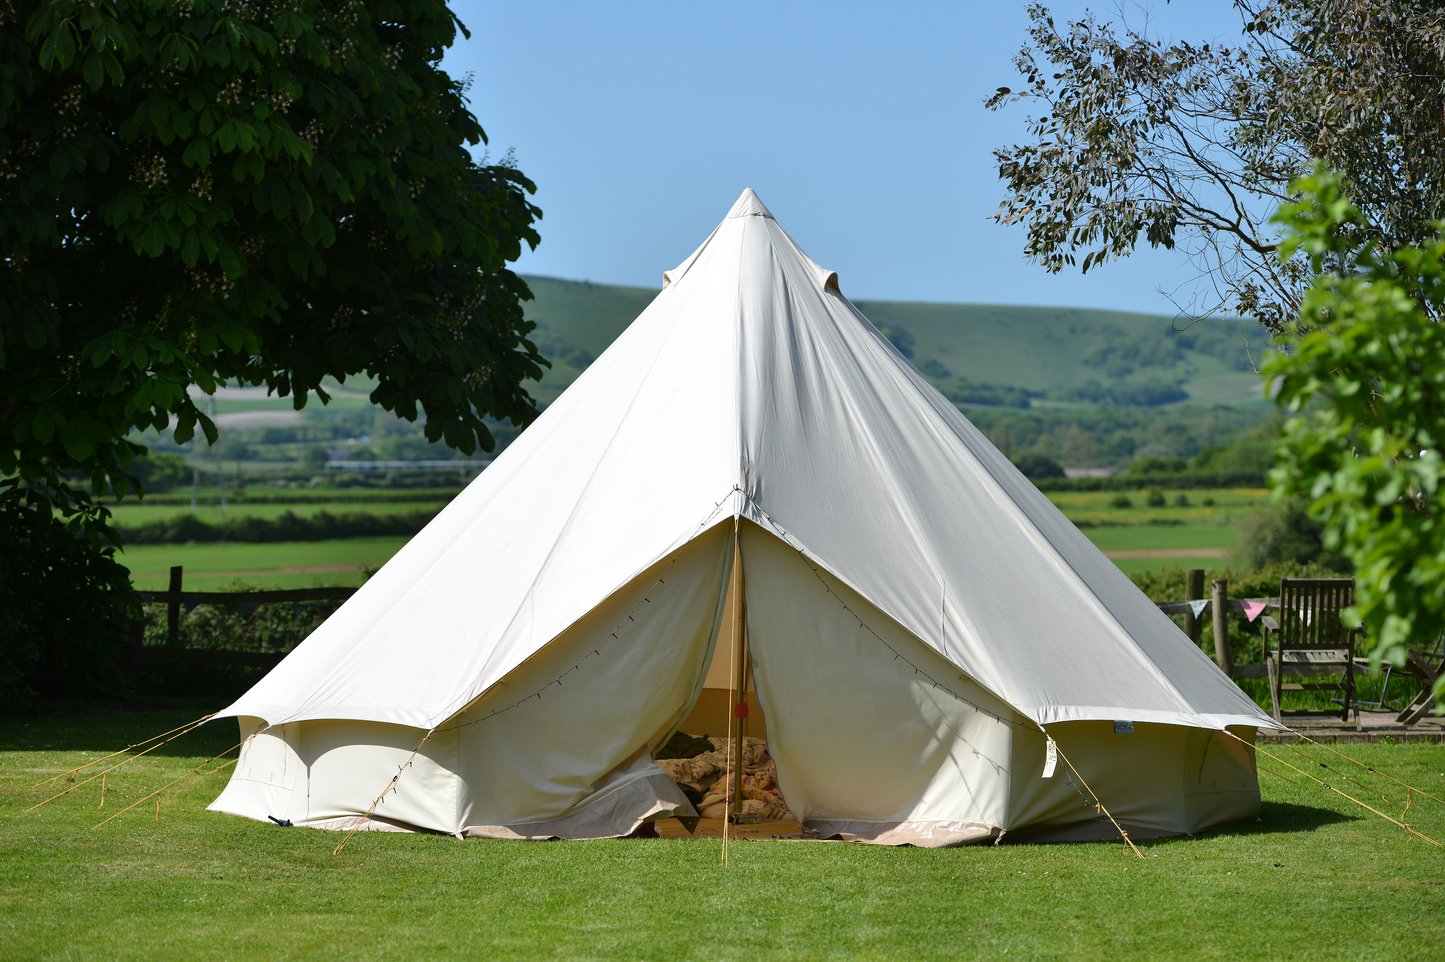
{"x":1133,"y":566}
{"x":150,"y":564}
{"x":1315,"y":878}
{"x":1150,"y":537}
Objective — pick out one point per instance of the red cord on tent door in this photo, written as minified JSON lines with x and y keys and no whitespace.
{"x":740,"y":709}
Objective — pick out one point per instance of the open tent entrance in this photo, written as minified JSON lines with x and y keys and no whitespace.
{"x":870,"y":734}
{"x":719,"y":755}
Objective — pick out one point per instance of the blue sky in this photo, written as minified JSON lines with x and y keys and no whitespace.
{"x":860,"y":125}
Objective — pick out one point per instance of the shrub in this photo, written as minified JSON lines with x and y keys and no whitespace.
{"x":242,"y":627}
{"x":322,"y":526}
{"x":1035,"y":466}
{"x":63,"y":608}
{"x":1156,"y":498}
{"x":1285,"y":534}
{"x":1120,"y":500}
{"x":1182,"y":501}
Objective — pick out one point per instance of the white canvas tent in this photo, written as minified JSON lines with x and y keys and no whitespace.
{"x":915,"y":610}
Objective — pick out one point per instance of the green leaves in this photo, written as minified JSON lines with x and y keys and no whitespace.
{"x":1362,"y":380}
{"x":209,"y":198}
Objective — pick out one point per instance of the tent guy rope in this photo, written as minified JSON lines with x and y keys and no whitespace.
{"x":75,"y":771}
{"x":1372,"y":770}
{"x":101,"y":775}
{"x":390,"y":786}
{"x":1125,"y":835}
{"x":1332,"y":788}
{"x":169,"y":784}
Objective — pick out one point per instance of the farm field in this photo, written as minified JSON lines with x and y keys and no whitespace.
{"x":179,"y":882}
{"x":1150,"y":547}
{"x":1139,"y":538}
{"x":286,"y":564}
{"x":1231,"y":505}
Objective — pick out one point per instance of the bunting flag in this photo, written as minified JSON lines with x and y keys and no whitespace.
{"x":1198,"y":607}
{"x":1252,"y":608}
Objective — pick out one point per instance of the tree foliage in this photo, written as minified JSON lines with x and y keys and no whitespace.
{"x":1192,"y":146}
{"x":1365,"y":389}
{"x":264,"y":191}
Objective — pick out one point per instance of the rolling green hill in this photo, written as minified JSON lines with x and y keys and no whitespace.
{"x":1089,"y":388}
{"x":976,"y":354}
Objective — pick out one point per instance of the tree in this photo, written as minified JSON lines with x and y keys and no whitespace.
{"x":1192,"y":146}
{"x":1365,"y":390}
{"x":266,"y":191}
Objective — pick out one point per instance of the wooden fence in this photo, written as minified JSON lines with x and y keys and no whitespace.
{"x":174,"y":598}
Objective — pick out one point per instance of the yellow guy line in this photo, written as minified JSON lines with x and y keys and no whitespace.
{"x":1127,"y":840}
{"x":75,"y":771}
{"x":1332,"y":788}
{"x":361,"y":821}
{"x":101,"y":775}
{"x":169,"y":784}
{"x":1372,"y":770}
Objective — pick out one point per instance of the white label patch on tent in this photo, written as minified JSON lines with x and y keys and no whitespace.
{"x":1123,"y":727}
{"x":1051,"y":757}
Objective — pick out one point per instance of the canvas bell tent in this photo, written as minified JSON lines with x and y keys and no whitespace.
{"x":750,"y":497}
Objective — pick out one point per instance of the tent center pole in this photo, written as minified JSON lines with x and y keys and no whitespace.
{"x":737,"y":694}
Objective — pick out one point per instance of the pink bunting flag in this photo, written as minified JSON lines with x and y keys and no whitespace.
{"x":1252,"y":609}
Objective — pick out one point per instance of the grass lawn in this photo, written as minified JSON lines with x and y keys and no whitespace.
{"x":1152,"y":537}
{"x":1316,"y":878}
{"x":329,"y":562}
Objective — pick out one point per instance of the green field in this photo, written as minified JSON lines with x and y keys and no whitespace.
{"x":1231,"y":505}
{"x":322,"y":562}
{"x":1140,"y":528}
{"x":1316,"y":878}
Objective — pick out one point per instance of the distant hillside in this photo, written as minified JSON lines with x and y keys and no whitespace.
{"x":994,"y":356}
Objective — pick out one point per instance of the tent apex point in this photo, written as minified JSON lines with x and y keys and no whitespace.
{"x":749,"y":204}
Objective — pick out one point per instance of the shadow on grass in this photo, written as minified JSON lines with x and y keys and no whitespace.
{"x":1275,"y":818}
{"x":101,"y":728}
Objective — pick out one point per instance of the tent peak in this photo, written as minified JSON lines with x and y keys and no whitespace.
{"x":750,"y":205}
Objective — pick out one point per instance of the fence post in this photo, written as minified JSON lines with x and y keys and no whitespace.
{"x":1194,"y":591}
{"x":173,"y":610}
{"x":1221,"y":628}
